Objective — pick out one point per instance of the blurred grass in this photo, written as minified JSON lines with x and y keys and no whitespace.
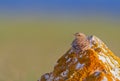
{"x":30,"y":47}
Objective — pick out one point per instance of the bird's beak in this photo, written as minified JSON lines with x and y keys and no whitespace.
{"x":74,"y":34}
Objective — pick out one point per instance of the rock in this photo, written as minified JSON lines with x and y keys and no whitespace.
{"x":96,"y":63}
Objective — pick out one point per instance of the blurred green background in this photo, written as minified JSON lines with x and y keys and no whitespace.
{"x":30,"y":46}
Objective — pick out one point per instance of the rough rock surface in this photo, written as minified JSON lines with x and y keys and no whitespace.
{"x":95,"y":63}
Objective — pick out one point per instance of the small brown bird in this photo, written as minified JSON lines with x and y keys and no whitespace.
{"x":80,"y":42}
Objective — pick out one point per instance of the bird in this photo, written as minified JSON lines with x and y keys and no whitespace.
{"x":80,"y":43}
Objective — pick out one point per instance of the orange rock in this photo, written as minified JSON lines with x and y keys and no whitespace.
{"x":97,"y":63}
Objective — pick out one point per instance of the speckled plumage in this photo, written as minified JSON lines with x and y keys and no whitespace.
{"x":80,"y":42}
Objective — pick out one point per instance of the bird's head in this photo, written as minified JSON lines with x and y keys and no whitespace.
{"x":78,"y":35}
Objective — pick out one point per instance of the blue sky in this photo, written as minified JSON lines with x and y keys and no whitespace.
{"x":61,"y":6}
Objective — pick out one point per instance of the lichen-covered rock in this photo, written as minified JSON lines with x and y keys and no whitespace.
{"x":96,"y":63}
